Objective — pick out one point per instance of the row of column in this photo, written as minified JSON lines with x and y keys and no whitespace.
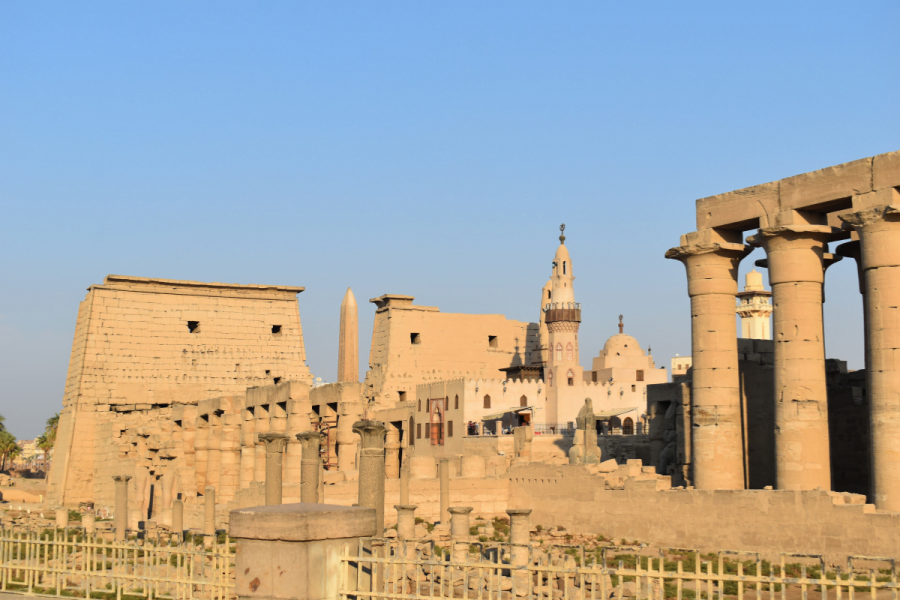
{"x":796,"y":247}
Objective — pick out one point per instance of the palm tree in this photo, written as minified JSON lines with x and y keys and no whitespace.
{"x":9,"y":448}
{"x":51,"y":428}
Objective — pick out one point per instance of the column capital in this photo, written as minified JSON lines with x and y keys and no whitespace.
{"x":796,"y":253}
{"x":275,"y":442}
{"x":712,"y":267}
{"x":823,"y":232}
{"x":461,"y":510}
{"x":405,"y":507}
{"x":516,"y":512}
{"x":371,"y":434}
{"x":121,"y":478}
{"x":877,"y":228}
{"x":309,"y":443}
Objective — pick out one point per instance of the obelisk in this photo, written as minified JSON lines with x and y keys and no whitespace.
{"x":348,"y":348}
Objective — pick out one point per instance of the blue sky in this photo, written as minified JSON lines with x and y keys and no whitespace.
{"x":429,"y":149}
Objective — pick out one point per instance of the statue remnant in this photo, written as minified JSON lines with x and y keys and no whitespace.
{"x":585,"y":450}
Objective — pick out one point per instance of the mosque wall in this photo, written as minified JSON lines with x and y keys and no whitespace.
{"x":143,"y":344}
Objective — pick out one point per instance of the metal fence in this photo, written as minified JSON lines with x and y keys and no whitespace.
{"x":388,"y":569}
{"x":74,"y":564}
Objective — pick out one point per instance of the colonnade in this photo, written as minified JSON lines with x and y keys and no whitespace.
{"x":796,"y":243}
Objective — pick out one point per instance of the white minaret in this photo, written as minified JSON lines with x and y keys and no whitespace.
{"x":562,"y":315}
{"x":755,"y":307}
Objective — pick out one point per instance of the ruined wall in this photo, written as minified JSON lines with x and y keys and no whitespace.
{"x":668,"y":406}
{"x":764,"y":521}
{"x":418,"y":344}
{"x":143,"y":344}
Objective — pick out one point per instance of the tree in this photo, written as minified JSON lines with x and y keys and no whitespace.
{"x":47,"y":440}
{"x":9,"y":448}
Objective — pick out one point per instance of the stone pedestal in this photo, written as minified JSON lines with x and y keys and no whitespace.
{"x":406,"y":521}
{"x":459,"y":532}
{"x":62,"y":518}
{"x":711,"y":259}
{"x":121,"y":519}
{"x":371,"y":468}
{"x":796,"y":257}
{"x":274,"y":444}
{"x":310,"y":442}
{"x":89,"y":522}
{"x":519,"y":534}
{"x":879,"y":236}
{"x":293,"y":551}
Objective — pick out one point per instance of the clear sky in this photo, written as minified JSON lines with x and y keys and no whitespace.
{"x":420,"y":148}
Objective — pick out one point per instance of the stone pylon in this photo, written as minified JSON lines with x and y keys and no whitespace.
{"x":348,"y":347}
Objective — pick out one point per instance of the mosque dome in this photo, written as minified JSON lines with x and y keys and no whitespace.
{"x":622,"y":345}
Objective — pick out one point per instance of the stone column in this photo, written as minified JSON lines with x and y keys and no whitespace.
{"x":879,"y":235}
{"x":371,"y":468}
{"x":445,"y":490}
{"x":519,"y":534}
{"x":248,"y":447}
{"x":349,"y":413}
{"x":406,"y":521}
{"x":229,"y":472}
{"x":214,"y":451}
{"x":310,"y":442}
{"x":209,"y":511}
{"x":275,"y":443}
{"x":89,"y":522}
{"x":261,"y":426}
{"x":711,"y":259}
{"x":404,"y":483}
{"x":178,"y":516}
{"x":187,"y":468}
{"x":121,"y":521}
{"x":308,"y":539}
{"x":459,"y":532}
{"x":62,"y":518}
{"x":797,"y":255}
{"x":201,"y":452}
{"x":298,"y":422}
{"x":392,"y":452}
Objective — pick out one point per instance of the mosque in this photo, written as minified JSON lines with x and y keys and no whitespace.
{"x":458,"y":415}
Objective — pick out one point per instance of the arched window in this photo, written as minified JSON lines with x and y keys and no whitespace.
{"x":487,"y":401}
{"x":523,"y":401}
{"x":550,"y":378}
{"x":420,"y":406}
{"x":456,"y":402}
{"x":558,"y":351}
{"x":571,"y":377}
{"x":412,"y":428}
{"x":569,"y":351}
{"x":627,"y":426}
{"x":564,"y":267}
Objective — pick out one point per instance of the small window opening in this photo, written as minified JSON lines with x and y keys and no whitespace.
{"x":564,"y":267}
{"x":449,"y":428}
{"x":402,"y":396}
{"x":268,"y":371}
{"x":276,"y":379}
{"x":276,"y":329}
{"x":492,"y":341}
{"x":419,"y":430}
{"x":456,"y":402}
{"x":446,"y":403}
{"x":420,"y":406}
{"x":571,"y":381}
{"x":194,"y":326}
{"x":594,"y":376}
{"x":640,"y":376}
{"x":487,"y":401}
{"x":523,"y":401}
{"x":415,"y":338}
{"x":427,"y":431}
{"x":634,"y":388}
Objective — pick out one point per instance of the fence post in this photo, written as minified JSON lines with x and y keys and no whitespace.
{"x":293,"y":551}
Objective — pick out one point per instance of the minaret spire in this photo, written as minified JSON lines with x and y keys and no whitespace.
{"x":348,"y":345}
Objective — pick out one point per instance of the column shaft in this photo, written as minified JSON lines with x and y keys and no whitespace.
{"x":796,"y":259}
{"x":121,"y":505}
{"x":274,"y":445}
{"x":717,"y":451}
{"x":445,"y":490}
{"x":879,"y":236}
{"x":371,"y":468}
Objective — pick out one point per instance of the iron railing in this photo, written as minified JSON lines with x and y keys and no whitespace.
{"x":69,"y":562}
{"x":417,"y":570}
